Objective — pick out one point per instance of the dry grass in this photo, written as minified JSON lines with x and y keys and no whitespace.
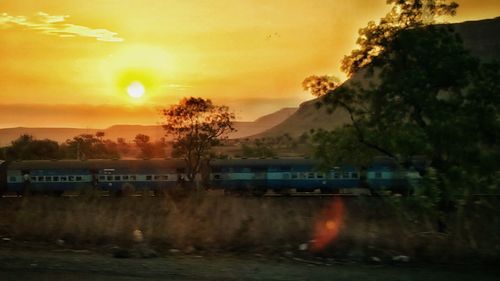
{"x":214,"y":223}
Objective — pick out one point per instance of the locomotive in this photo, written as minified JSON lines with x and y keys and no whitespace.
{"x":255,"y":176}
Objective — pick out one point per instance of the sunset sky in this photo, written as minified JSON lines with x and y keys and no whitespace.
{"x":69,"y":63}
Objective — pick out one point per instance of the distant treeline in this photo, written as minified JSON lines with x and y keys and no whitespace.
{"x":84,"y":146}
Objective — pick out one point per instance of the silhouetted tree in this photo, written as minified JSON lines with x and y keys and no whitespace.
{"x":27,"y":148}
{"x":89,"y":146}
{"x":142,"y":142}
{"x":427,"y":96}
{"x":196,"y":125}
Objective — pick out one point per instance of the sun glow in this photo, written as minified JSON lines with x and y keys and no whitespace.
{"x":136,"y":90}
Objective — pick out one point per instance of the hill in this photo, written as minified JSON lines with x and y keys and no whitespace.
{"x":481,"y":38}
{"x":128,"y":132}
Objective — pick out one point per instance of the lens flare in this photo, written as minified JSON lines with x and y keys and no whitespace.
{"x":328,"y":225}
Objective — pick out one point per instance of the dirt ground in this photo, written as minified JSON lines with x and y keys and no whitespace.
{"x":17,"y":263}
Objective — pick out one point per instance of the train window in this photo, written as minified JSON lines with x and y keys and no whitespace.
{"x":164,"y":177}
{"x":101,"y":178}
{"x":286,"y":176}
{"x":55,"y":178}
{"x":71,"y":178}
{"x":148,"y":178}
{"x":12,"y":179}
{"x":33,"y":178}
{"x":78,"y":178}
{"x":40,"y":178}
{"x":109,"y":178}
{"x":48,"y":178}
{"x":64,"y":178}
{"x":133,"y":178}
{"x":217,"y":177}
{"x":310,"y":175}
{"x":125,"y":178}
{"x":336,"y":175}
{"x":378,"y":175}
{"x":345,"y":175}
{"x":157,"y":178}
{"x":354,"y":175}
{"x":320,"y":175}
{"x":295,"y":175}
{"x":284,"y":169}
{"x":117,"y":178}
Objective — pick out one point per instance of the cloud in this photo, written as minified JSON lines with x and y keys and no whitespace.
{"x":57,"y":25}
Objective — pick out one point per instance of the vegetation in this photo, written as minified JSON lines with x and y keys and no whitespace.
{"x":211,"y":223}
{"x":196,"y":125}
{"x":423,"y":94}
{"x":85,"y":146}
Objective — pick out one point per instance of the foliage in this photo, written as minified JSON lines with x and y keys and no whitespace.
{"x":27,"y":148}
{"x":320,"y":85}
{"x":88,"y":146}
{"x":405,"y":14}
{"x":142,"y":142}
{"x":340,"y":146}
{"x":196,"y":124}
{"x":258,"y":150}
{"x":426,"y":96}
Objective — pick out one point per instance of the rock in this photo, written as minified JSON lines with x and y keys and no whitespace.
{"x":137,"y":236}
{"x":303,"y":247}
{"x":174,"y":251}
{"x":6,"y":239}
{"x":121,"y":253}
{"x":401,"y":258}
{"x":189,"y":250}
{"x":375,"y":259}
{"x":288,"y":254}
{"x":60,"y":242}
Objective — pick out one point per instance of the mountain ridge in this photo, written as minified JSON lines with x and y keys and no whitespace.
{"x":480,"y":37}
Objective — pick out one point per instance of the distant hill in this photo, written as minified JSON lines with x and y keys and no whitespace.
{"x":128,"y":132}
{"x":481,"y":37}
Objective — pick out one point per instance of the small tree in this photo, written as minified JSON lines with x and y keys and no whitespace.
{"x":196,"y":125}
{"x":146,"y":147}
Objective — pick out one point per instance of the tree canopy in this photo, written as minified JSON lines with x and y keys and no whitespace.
{"x":196,"y":124}
{"x":422,"y":94}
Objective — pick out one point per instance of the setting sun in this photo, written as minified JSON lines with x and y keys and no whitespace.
{"x":136,"y":90}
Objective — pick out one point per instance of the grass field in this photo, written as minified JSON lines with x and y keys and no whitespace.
{"x":358,"y":228}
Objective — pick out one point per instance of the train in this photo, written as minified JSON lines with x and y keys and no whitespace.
{"x":234,"y":176}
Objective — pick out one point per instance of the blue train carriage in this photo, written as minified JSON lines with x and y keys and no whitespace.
{"x":280,"y":175}
{"x":239,"y":175}
{"x":118,"y":176}
{"x":387,"y":176}
{"x":303,"y":175}
{"x":46,"y":176}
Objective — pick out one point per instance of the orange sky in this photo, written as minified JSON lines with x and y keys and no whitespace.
{"x":69,"y":62}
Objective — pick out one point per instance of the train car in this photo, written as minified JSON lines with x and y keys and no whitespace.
{"x":387,"y":175}
{"x":280,"y":175}
{"x":58,"y":176}
{"x":154,"y":174}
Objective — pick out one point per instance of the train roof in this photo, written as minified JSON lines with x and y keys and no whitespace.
{"x":264,"y":162}
{"x":97,"y":164}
